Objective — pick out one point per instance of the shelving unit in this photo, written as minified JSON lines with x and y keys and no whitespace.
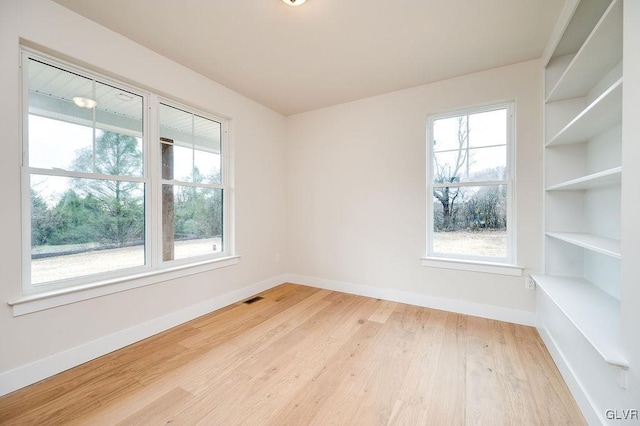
{"x":607,"y":246}
{"x":578,"y":300}
{"x":591,"y":78}
{"x":608,"y":177}
{"x":602,"y":113}
{"x":579,"y":306}
{"x":599,"y":54}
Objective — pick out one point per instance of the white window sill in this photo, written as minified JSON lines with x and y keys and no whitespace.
{"x":51,"y":299}
{"x":473,"y":266}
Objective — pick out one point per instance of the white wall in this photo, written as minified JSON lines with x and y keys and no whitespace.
{"x":630,"y":289}
{"x":356,"y":185}
{"x":258,"y":139}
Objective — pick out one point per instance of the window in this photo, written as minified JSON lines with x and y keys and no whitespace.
{"x":192,"y":191}
{"x":97,"y":208}
{"x":470,"y":184}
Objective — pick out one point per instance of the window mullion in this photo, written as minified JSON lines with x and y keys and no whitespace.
{"x":478,"y":183}
{"x":194,"y":184}
{"x":472,"y":148}
{"x":83,"y":175}
{"x":93,"y":128}
{"x":151,"y":169}
{"x":467,"y":136}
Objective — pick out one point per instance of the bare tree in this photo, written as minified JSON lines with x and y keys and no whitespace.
{"x":450,"y":173}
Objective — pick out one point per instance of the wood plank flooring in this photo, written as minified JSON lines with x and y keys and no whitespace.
{"x":304,"y":356}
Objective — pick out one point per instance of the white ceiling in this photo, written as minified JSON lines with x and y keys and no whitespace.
{"x":325,"y":52}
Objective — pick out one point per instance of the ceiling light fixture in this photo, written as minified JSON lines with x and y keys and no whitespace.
{"x":294,"y":2}
{"x":84,"y":102}
{"x":124,"y":97}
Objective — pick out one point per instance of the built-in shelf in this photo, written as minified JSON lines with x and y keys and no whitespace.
{"x":602,"y":245}
{"x":599,"y":54}
{"x":585,"y":17}
{"x":595,"y":313}
{"x":601,"y":114}
{"x":581,"y":292}
{"x":595,"y":180}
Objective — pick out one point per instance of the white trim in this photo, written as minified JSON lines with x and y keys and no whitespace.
{"x":571,"y":379}
{"x":499,"y":313}
{"x":153,"y":197}
{"x":471,"y":182}
{"x":473,"y":265}
{"x":65,"y":296}
{"x":476,"y":147}
{"x":477,"y":109}
{"x":192,"y":184}
{"x":85,"y":175}
{"x":31,"y":373}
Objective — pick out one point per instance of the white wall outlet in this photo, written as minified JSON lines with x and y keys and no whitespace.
{"x":277,"y":257}
{"x":529,"y":283}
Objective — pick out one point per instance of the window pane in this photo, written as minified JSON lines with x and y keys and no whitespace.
{"x":487,"y":164}
{"x":182,"y":163}
{"x":450,"y":134}
{"x":52,"y":91}
{"x":118,"y":145}
{"x":470,"y":148}
{"x":470,"y":220}
{"x":207,"y":167}
{"x":208,"y":134}
{"x":117,"y":110}
{"x":113,"y":154}
{"x":450,"y":166}
{"x":488,"y":128}
{"x":191,"y":221}
{"x":84,"y":226}
{"x":57,"y":144}
{"x":63,"y":124}
{"x":196,"y":145}
{"x":473,"y":165}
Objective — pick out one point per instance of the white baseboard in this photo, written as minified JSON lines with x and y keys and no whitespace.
{"x":31,"y":373}
{"x":571,"y":379}
{"x":515,"y":316}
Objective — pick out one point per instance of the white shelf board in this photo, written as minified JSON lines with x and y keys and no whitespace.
{"x":602,"y":245}
{"x":599,"y":54}
{"x":595,"y":180}
{"x":580,"y":17}
{"x":593,"y":312}
{"x":600,"y":115}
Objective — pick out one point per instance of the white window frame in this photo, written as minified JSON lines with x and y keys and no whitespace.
{"x":224,"y":184}
{"x":56,"y":293}
{"x":463,"y":261}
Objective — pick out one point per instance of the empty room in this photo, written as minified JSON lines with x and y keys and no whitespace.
{"x":294,"y":212}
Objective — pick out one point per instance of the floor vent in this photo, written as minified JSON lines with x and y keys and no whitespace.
{"x":253,"y":300}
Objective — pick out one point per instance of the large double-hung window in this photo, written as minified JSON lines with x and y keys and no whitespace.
{"x":115,"y":182}
{"x":470,"y":184}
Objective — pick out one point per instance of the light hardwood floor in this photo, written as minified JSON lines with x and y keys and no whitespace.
{"x":308,"y":356}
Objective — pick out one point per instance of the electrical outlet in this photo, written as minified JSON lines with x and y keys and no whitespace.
{"x":277,"y":257}
{"x":529,"y":283}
